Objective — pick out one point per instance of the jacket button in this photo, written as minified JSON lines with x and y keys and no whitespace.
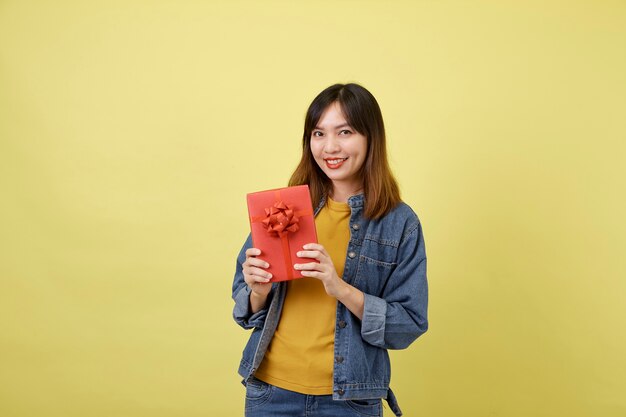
{"x":340,"y":391}
{"x":351,"y":254}
{"x":342,"y":324}
{"x":355,"y":226}
{"x":339,"y":359}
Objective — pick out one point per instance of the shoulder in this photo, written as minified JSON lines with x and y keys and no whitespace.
{"x":402,"y":213}
{"x":409,"y":219}
{"x":402,"y":221}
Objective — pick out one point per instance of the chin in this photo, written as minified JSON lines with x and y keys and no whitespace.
{"x":337,"y":177}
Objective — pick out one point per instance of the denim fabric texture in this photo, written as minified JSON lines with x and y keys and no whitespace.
{"x":265,"y":400}
{"x":386,"y":259}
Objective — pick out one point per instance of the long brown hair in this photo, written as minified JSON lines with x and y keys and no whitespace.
{"x":362,"y":112}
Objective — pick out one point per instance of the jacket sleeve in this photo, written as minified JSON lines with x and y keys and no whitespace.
{"x":241,"y":295}
{"x":399,"y":316}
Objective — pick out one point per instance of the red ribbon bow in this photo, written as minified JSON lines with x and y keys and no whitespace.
{"x":280,"y":219}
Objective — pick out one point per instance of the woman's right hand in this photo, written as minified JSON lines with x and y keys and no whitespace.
{"x":254,"y":274}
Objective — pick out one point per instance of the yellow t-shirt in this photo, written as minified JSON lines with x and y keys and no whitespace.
{"x":300,"y":356}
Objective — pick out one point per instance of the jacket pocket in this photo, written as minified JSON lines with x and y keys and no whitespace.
{"x":372,"y":274}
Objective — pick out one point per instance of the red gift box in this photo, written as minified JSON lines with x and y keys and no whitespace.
{"x":281,"y":221}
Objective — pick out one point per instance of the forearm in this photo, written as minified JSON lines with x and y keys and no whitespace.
{"x":257,"y":301}
{"x":352,"y":298}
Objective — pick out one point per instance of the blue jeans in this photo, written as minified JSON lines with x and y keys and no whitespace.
{"x":266,"y":400}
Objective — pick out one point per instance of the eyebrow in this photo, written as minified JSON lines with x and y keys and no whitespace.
{"x":336,"y":127}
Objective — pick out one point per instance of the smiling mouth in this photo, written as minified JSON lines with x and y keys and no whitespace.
{"x":335,"y":162}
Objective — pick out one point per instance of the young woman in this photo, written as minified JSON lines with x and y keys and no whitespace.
{"x":319,"y":344}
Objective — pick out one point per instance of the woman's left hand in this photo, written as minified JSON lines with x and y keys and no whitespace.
{"x":324,"y":270}
{"x":351,"y":297}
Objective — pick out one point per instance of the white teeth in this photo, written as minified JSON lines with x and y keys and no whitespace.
{"x":335,"y":161}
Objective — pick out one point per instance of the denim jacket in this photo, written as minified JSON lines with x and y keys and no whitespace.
{"x":386,"y":259}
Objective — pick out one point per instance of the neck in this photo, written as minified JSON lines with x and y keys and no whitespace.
{"x":341,"y":192}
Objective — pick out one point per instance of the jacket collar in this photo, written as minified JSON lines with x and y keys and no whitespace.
{"x":356,"y":200}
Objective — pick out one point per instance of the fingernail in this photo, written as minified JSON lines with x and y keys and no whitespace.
{"x":267,"y":265}
{"x":299,"y":253}
{"x":269,"y":276}
{"x":296,"y":266}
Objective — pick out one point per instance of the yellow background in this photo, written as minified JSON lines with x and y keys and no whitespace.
{"x":131,"y":131}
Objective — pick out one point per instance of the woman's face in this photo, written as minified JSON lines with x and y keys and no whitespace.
{"x":338,"y":149}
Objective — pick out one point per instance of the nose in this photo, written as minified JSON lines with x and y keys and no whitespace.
{"x":331,"y":145}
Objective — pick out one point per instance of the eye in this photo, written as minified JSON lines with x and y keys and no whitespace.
{"x":345,"y":132}
{"x":317,"y":133}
